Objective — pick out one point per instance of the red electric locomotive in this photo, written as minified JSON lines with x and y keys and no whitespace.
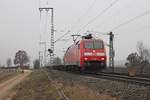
{"x":87,"y":54}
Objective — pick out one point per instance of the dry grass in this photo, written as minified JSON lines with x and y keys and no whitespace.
{"x":80,"y":92}
{"x":76,"y":90}
{"x":36,"y":87}
{"x":7,"y":75}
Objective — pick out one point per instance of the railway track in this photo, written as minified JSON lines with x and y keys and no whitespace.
{"x":122,"y":77}
{"x":139,"y":79}
{"x":59,"y":90}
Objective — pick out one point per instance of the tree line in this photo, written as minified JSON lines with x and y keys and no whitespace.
{"x":140,"y":58}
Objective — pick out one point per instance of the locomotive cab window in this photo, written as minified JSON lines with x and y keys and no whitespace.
{"x":98,"y":44}
{"x":93,"y":45}
{"x":88,"y":45}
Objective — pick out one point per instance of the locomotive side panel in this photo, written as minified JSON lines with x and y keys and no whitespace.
{"x":71,"y":56}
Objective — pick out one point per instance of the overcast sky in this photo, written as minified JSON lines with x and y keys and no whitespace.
{"x":20,"y":24}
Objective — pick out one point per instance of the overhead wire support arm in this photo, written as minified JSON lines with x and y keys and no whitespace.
{"x":84,"y":14}
{"x":75,"y":35}
{"x":44,"y":8}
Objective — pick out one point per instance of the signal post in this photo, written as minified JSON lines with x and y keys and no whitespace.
{"x":111,"y":51}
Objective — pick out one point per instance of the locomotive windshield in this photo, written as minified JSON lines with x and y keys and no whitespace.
{"x":93,"y":45}
{"x":88,"y":45}
{"x":98,"y":44}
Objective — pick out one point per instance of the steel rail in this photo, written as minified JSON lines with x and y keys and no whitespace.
{"x":115,"y":76}
{"x":119,"y":77}
{"x":139,"y":79}
{"x":59,"y":90}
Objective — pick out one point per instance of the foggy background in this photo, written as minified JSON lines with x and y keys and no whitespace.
{"x":21,"y":26}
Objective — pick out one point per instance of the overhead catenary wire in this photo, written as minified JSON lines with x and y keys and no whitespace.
{"x":113,"y":3}
{"x":100,"y":14}
{"x":84,"y":14}
{"x":77,"y":21}
{"x":65,"y":39}
{"x":107,"y":19}
{"x":62,"y":36}
{"x":131,"y":20}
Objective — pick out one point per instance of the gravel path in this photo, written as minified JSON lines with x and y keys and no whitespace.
{"x":7,"y":86}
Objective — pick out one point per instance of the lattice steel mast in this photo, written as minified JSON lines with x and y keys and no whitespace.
{"x":111,"y":51}
{"x":52,"y":31}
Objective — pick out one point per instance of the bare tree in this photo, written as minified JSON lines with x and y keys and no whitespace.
{"x":21,"y":58}
{"x":36,"y":64}
{"x":57,"y":61}
{"x":144,"y":53}
{"x":133,"y":59}
{"x":8,"y":62}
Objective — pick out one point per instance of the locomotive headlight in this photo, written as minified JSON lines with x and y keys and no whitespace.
{"x":100,"y":54}
{"x":85,"y":59}
{"x":87,"y":53}
{"x":102,"y":58}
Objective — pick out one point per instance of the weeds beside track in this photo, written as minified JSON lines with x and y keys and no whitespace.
{"x":59,"y":90}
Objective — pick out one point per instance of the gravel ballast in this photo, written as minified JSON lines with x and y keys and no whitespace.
{"x":118,"y":89}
